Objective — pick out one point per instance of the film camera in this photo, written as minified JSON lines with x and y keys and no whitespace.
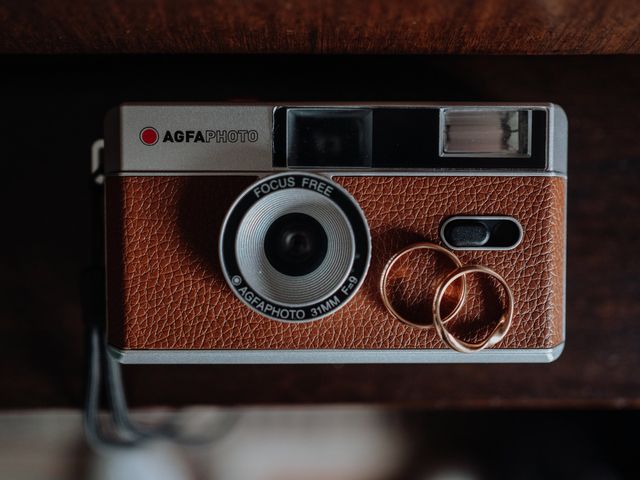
{"x":345,"y":233}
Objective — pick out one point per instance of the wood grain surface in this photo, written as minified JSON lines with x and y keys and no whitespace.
{"x":321,"y":26}
{"x":52,"y":109}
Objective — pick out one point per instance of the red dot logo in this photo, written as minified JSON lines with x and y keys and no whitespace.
{"x":149,"y":136}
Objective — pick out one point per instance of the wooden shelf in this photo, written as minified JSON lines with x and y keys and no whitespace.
{"x":331,"y":26}
{"x":53,"y":109}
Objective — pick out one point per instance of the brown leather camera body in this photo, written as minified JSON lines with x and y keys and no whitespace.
{"x":166,"y":291}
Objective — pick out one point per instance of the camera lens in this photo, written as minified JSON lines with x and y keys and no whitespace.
{"x":295,"y":244}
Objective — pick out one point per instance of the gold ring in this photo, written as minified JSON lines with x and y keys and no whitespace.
{"x":500,"y":329}
{"x":387,"y":269}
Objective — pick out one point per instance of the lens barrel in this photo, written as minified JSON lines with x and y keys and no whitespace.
{"x":295,"y":247}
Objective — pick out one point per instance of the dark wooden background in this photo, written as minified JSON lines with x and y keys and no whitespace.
{"x":320,"y":26}
{"x":52,"y":109}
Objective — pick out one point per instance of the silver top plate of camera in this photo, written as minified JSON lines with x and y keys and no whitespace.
{"x":175,"y":139}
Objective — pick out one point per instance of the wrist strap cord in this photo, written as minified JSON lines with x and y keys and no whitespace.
{"x":101,"y":369}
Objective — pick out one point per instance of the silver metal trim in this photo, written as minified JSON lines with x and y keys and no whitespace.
{"x":345,"y":173}
{"x":481,"y":217}
{"x":253,"y":357}
{"x":97,"y":149}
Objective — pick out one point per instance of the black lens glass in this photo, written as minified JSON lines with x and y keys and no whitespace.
{"x":295,"y":244}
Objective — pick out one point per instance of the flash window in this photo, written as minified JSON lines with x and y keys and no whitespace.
{"x":485,"y":133}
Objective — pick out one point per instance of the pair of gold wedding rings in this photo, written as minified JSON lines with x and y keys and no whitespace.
{"x":459,"y":272}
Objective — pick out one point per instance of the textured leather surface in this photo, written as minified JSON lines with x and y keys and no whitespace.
{"x":165,"y":289}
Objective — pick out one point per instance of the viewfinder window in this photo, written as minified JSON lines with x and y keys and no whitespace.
{"x":329,"y":137}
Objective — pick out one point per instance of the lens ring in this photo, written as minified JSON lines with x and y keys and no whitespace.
{"x":302,"y":290}
{"x":271,"y":292}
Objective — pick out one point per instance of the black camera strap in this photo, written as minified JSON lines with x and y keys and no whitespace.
{"x":101,"y":369}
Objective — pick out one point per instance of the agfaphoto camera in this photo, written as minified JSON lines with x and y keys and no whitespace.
{"x":338,"y":233}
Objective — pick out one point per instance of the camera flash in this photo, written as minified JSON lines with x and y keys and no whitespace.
{"x":484,"y":132}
